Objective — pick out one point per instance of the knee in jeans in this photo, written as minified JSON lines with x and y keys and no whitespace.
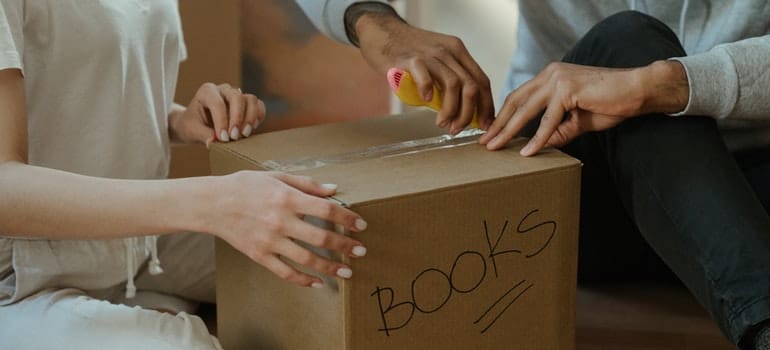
{"x":629,"y":27}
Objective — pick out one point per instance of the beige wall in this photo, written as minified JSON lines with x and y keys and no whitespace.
{"x":212,"y":34}
{"x":303,"y":77}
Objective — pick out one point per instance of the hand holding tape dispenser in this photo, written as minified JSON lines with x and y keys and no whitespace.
{"x":404,"y":87}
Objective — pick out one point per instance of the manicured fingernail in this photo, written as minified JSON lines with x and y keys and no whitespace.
{"x":330,"y":187}
{"x":361,"y":224}
{"x":345,"y":272}
{"x":223,"y":136}
{"x":208,"y":142}
{"x":428,"y":96}
{"x":359,"y":251}
{"x":317,"y":285}
{"x":235,"y":134}
{"x":247,"y":130}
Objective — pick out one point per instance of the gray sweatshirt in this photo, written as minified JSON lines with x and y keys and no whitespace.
{"x":728,"y":43}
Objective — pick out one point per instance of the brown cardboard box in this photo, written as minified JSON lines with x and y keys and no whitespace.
{"x":468,"y":249}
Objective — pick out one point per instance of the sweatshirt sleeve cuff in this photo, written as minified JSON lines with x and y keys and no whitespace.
{"x":713,"y":83}
{"x":329,"y":16}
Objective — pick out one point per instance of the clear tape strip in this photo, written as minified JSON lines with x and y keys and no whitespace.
{"x":465,"y":137}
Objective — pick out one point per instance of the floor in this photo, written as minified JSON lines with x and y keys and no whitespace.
{"x":644,"y":318}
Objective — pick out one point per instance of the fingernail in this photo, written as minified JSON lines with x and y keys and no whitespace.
{"x":444,"y":124}
{"x":428,"y":96}
{"x":235,"y":134}
{"x":317,"y":285}
{"x":247,"y":130}
{"x":359,"y":251}
{"x":330,"y":187}
{"x":361,"y":224}
{"x":223,"y":136}
{"x":208,"y":142}
{"x":345,"y":272}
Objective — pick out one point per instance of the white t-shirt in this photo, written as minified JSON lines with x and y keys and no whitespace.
{"x":100,"y":77}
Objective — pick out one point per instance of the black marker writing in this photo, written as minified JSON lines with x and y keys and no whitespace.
{"x":443,"y":285}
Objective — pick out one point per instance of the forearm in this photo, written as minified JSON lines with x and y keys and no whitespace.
{"x":45,"y":203}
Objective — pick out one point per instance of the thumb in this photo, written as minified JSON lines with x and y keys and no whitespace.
{"x":199,"y":132}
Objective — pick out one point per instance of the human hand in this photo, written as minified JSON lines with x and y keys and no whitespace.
{"x":260,"y":214}
{"x":432,"y":59}
{"x":217,"y":112}
{"x":591,"y":99}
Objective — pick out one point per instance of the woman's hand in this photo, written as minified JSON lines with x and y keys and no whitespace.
{"x":216,"y":112}
{"x":261,"y":215}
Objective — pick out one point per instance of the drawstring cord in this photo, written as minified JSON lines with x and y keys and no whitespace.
{"x":683,"y":20}
{"x":150,"y":249}
{"x":130,"y":266}
{"x":151,"y":243}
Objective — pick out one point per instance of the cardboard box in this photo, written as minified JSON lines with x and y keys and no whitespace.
{"x":468,"y":249}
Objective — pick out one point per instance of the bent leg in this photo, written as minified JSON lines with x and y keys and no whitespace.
{"x":678,"y":184}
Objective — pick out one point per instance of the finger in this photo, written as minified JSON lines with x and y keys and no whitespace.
{"x":329,"y":211}
{"x":512,"y":102}
{"x":422,"y":78}
{"x":505,"y":114}
{"x":548,"y":123}
{"x":288,"y":273}
{"x":236,"y":109}
{"x":213,"y":102}
{"x":252,"y":117}
{"x":304,"y":257}
{"x":326,"y":239}
{"x":524,"y":113}
{"x":567,"y":131}
{"x":485,"y":109}
{"x":307,"y":184}
{"x":469,"y":93}
{"x":450,"y":92}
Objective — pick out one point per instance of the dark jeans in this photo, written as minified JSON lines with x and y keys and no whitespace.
{"x":662,"y":192}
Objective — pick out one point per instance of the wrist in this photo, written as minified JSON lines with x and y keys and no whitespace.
{"x":665,"y":87}
{"x":194,"y":200}
{"x":365,"y":15}
{"x":174,"y":118}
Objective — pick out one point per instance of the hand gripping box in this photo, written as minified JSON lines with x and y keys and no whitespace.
{"x":468,"y":249}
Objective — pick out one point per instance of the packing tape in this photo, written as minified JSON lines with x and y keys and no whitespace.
{"x":466,"y":137}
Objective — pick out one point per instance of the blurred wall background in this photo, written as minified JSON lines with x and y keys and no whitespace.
{"x":269,"y":48}
{"x":213,"y":37}
{"x":303,"y":77}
